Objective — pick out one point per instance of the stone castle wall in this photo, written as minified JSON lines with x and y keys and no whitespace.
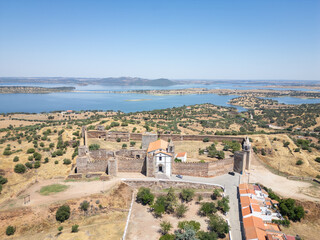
{"x":131,"y":165}
{"x":126,"y":136}
{"x":207,"y":169}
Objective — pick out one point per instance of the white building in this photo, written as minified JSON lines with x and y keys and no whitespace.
{"x":162,"y":152}
{"x":181,"y":156}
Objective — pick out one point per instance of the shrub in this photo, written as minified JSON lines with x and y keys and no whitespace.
{"x":223,"y":205}
{"x":317,"y":159}
{"x":75,"y":228}
{"x":60,"y":228}
{"x":124,"y":146}
{"x":181,"y":210}
{"x":10,"y":230}
{"x":205,"y":139}
{"x":207,"y":209}
{"x":30,"y":150}
{"x":46,"y":160}
{"x":145,"y":196}
{"x":56,"y":162}
{"x":132,"y":144}
{"x":284,"y":222}
{"x":168,"y":237}
{"x":0,"y":188}
{"x":7,"y":152}
{"x":200,"y":198}
{"x":218,"y":225}
{"x":187,"y":195}
{"x":216,"y":193}
{"x":37,"y":164}
{"x":19,"y":168}
{"x":118,"y":139}
{"x":16,"y":159}
{"x":299,"y":162}
{"x":29,"y":165}
{"x":202,"y":235}
{"x":297,"y":150}
{"x":159,"y":206}
{"x":94,"y":147}
{"x":3,"y":180}
{"x":288,"y":208}
{"x":84,"y":205}
{"x":66,"y":161}
{"x":165,"y":227}
{"x":37,"y":156}
{"x":63,"y":213}
{"x":193,"y":224}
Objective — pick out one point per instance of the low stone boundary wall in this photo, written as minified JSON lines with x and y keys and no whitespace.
{"x":75,"y":176}
{"x":163,"y":184}
{"x":300,"y":178}
{"x":131,"y":165}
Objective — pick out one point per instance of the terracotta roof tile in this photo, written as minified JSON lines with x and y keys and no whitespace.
{"x":159,"y":144}
{"x":181,"y":154}
{"x":254,"y":228}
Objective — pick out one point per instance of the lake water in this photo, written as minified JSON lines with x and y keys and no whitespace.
{"x":35,"y":103}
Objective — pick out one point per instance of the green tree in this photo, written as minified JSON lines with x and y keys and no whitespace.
{"x":218,"y":225}
{"x":168,"y":237}
{"x":84,"y":205}
{"x":19,"y":168}
{"x":187,"y":194}
{"x":75,"y":228}
{"x":188,"y":233}
{"x":63,"y":213}
{"x":3,"y":180}
{"x":159,"y":206}
{"x":66,"y":161}
{"x":216,"y":194}
{"x":170,"y":201}
{"x":207,"y":209}
{"x":60,"y":228}
{"x":30,"y":150}
{"x":223,"y":205}
{"x":10,"y":230}
{"x":165,"y":227}
{"x":16,"y":159}
{"x":202,"y":235}
{"x":36,"y":164}
{"x":181,"y":210}
{"x":193,"y":224}
{"x":145,"y":196}
{"x":94,"y":147}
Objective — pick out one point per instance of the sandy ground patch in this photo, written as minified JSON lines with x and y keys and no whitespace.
{"x":281,"y":185}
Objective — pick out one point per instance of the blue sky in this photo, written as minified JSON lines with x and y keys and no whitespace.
{"x":198,"y":39}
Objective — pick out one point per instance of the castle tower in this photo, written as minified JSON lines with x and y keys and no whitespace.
{"x":247,"y":149}
{"x":171,"y":147}
{"x":148,"y":138}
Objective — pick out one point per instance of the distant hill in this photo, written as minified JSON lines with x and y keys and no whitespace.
{"x":120,"y":81}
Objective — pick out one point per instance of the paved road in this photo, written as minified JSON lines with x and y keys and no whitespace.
{"x":230,"y":183}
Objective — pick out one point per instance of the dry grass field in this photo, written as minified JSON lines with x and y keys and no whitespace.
{"x":285,"y":158}
{"x":105,"y":222}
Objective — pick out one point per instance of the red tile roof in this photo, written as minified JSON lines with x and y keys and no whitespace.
{"x":159,"y":144}
{"x":254,"y":228}
{"x":181,"y":154}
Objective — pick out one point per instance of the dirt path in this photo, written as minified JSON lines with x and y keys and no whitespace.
{"x":282,"y":185}
{"x":75,"y":190}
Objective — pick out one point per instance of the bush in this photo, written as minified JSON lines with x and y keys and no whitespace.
{"x":165,"y":227}
{"x":16,"y":159}
{"x":46,"y":160}
{"x":37,"y":164}
{"x":181,"y":210}
{"x":3,"y":180}
{"x":0,"y":188}
{"x":60,"y":228}
{"x":297,"y":150}
{"x":84,"y":205}
{"x":29,"y":165}
{"x":118,"y":139}
{"x":10,"y":230}
{"x":30,"y":150}
{"x":202,"y":235}
{"x":63,"y":213}
{"x":19,"y":168}
{"x":75,"y":228}
{"x":168,"y":237}
{"x":285,"y":222}
{"x":193,"y":224}
{"x":132,"y":144}
{"x":124,"y":146}
{"x":288,"y":208}
{"x":317,"y":159}
{"x":66,"y":161}
{"x":205,"y":139}
{"x":207,"y":209}
{"x":223,"y":205}
{"x":159,"y":206}
{"x":37,"y":156}
{"x":56,"y":162}
{"x":94,"y":147}
{"x":187,"y":195}
{"x":299,"y":162}
{"x":145,"y":196}
{"x":218,"y":225}
{"x":216,"y":193}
